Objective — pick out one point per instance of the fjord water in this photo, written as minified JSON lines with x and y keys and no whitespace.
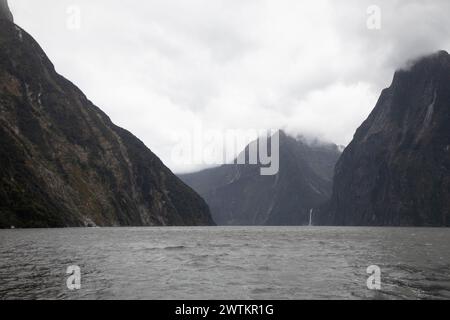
{"x":225,"y":263}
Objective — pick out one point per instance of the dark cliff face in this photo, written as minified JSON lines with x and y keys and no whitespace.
{"x":5,"y":13}
{"x":396,"y":171}
{"x":240,"y":195}
{"x":64,"y":163}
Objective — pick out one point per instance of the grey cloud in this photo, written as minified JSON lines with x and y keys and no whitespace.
{"x":311,"y":67}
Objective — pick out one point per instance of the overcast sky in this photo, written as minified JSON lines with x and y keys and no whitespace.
{"x":158,"y":67}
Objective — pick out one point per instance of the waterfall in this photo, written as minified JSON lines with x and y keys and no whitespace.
{"x":310,"y":217}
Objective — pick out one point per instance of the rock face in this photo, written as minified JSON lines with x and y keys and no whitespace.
{"x":64,"y":163}
{"x":5,"y":13}
{"x":396,"y":171}
{"x":240,"y":195}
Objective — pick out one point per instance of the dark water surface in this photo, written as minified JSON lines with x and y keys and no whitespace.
{"x":225,"y":263}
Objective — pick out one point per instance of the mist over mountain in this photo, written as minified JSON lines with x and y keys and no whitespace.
{"x":240,"y":195}
{"x":64,"y":163}
{"x":396,"y":171}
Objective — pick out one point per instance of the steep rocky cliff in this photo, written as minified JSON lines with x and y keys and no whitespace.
{"x":5,"y":13}
{"x":64,"y":163}
{"x":396,"y":171}
{"x":240,"y":195}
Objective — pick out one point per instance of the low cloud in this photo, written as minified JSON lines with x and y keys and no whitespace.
{"x":158,"y":66}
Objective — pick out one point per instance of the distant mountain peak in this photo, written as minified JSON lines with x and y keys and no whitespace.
{"x":440,"y":55}
{"x":443,"y":53}
{"x":240,"y":195}
{"x":429,"y":63}
{"x":5,"y":13}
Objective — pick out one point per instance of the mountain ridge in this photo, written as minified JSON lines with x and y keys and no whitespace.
{"x":396,"y":170}
{"x":64,"y":163}
{"x":240,"y":195}
{"x":5,"y":13}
